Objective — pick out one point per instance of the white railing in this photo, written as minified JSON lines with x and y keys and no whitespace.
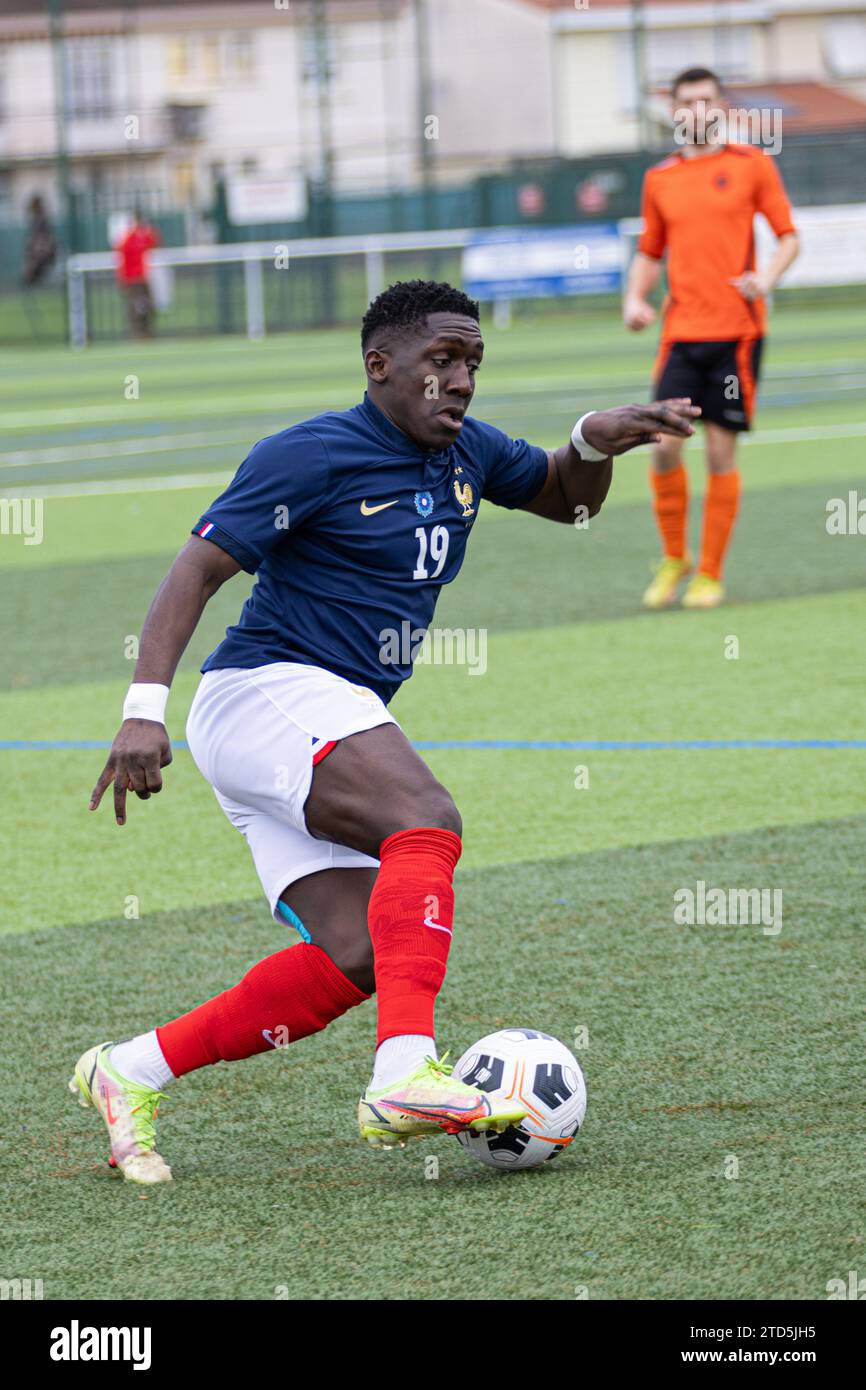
{"x":252,"y":255}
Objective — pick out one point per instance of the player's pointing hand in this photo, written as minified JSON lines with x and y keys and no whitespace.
{"x":139,"y":752}
{"x":616,"y":431}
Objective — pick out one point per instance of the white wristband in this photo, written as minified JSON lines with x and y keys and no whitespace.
{"x":145,"y":701}
{"x":586,"y":451}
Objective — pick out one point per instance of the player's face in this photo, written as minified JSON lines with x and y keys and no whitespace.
{"x":697,"y":109}
{"x":431,"y":379}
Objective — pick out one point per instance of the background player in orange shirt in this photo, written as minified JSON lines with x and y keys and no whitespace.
{"x":698,"y":208}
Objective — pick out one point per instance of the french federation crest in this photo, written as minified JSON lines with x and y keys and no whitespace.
{"x":465,"y":497}
{"x":423,"y":503}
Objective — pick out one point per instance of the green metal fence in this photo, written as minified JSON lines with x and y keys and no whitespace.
{"x":816,"y":170}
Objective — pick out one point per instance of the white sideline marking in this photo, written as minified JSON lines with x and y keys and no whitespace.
{"x":81,"y":453}
{"x":175,"y":481}
{"x":166,"y":483}
{"x":108,"y":414}
{"x":158,"y":443}
{"x":805,"y":434}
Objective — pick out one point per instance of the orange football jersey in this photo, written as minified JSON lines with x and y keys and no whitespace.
{"x":700,"y":212}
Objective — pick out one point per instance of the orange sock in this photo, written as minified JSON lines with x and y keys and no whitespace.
{"x":671,"y":505}
{"x":720,"y":512}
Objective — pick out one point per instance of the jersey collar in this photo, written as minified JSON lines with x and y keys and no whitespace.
{"x":389,"y":431}
{"x":701,"y":159}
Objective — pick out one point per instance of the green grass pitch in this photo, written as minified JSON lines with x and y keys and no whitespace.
{"x":708,"y":1050}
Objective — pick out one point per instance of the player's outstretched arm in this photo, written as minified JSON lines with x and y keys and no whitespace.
{"x":574,"y":481}
{"x":141,"y":748}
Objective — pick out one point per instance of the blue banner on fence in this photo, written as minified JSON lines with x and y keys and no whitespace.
{"x":544,"y":262}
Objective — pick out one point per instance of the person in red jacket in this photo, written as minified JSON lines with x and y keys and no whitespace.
{"x":132,"y":275}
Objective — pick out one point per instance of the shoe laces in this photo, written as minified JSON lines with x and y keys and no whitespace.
{"x":439,"y":1064}
{"x":147,"y":1110}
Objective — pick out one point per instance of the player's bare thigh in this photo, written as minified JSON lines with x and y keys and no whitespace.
{"x":372,"y":785}
{"x":332,"y":906}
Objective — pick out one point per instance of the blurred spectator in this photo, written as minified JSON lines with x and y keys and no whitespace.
{"x":40,"y":246}
{"x":132,"y":273}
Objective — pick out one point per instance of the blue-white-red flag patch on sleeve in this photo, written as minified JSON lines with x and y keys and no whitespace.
{"x":205,"y":530}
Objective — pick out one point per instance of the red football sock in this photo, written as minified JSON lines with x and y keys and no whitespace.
{"x":671,"y":506}
{"x":288,"y":996}
{"x":410,"y":917}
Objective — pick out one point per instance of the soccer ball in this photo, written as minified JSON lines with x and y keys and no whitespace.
{"x":541,"y":1072}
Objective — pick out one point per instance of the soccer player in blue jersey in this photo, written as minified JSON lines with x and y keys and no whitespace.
{"x":351,"y":522}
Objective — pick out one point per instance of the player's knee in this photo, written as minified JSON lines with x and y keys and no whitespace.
{"x":433,"y":808}
{"x":349,"y":946}
{"x":354,"y":958}
{"x":667,"y":455}
{"x":721,"y":457}
{"x":449,"y":818}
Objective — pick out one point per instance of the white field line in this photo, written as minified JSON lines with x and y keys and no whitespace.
{"x":171,"y":481}
{"x":847,"y":375}
{"x":806,"y":434}
{"x":107,"y":414}
{"x":120,"y":448}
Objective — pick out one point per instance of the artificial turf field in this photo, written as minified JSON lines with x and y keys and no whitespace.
{"x":704,"y":1042}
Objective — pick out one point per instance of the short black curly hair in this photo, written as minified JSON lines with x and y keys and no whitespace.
{"x":406,"y":304}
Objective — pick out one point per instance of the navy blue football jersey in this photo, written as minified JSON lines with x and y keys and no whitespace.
{"x":351,"y":530}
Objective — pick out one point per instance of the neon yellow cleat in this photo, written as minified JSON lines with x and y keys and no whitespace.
{"x":428,"y":1102}
{"x":669,"y":575}
{"x":129,"y":1111}
{"x":703,"y":592}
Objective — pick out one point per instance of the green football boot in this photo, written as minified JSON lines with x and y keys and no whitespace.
{"x":431,"y":1101}
{"x":129,"y":1112}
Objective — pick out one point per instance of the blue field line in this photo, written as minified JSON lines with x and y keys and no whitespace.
{"x":580,"y":745}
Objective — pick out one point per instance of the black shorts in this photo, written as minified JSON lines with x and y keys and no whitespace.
{"x":720,"y":377}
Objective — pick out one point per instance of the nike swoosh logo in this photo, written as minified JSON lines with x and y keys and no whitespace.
{"x":437,"y":926}
{"x":112,"y":1119}
{"x":367,"y":510}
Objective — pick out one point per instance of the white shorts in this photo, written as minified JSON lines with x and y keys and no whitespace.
{"x":256,"y":736}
